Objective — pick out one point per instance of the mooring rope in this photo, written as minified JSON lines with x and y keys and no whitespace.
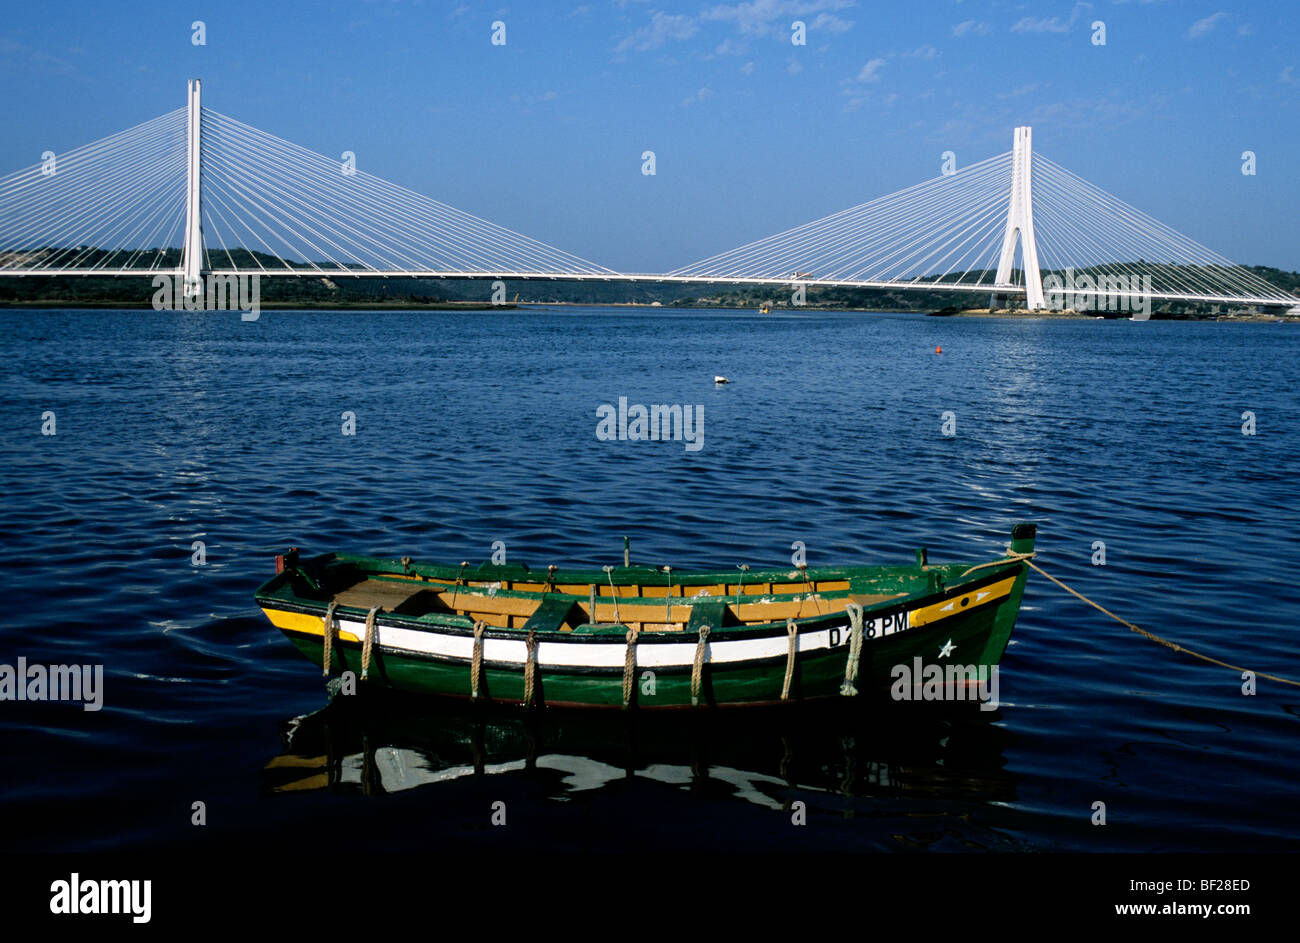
{"x":847,"y":689}
{"x":1012,"y":556}
{"x":369,"y":642}
{"x":629,"y":665}
{"x":697,"y":669}
{"x":328,"y":629}
{"x":793,"y":629}
{"x":530,"y":670}
{"x":476,"y":662}
{"x":1156,"y":638}
{"x":1028,"y":559}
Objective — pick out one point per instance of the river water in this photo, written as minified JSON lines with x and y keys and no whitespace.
{"x":470,"y":428}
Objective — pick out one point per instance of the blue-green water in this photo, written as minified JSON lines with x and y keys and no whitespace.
{"x":475,"y":428}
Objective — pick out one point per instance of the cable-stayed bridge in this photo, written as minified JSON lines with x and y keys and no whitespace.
{"x":196,"y":193}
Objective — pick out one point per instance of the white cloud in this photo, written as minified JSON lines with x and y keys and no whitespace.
{"x":768,"y":17}
{"x":870,"y":71}
{"x":1038,"y":24}
{"x":926,"y":52}
{"x":1288,"y":75}
{"x":1207,"y":25}
{"x":970,"y":28}
{"x":830,"y":23}
{"x":662,"y":28}
{"x":1035,"y":24}
{"x":703,"y":94}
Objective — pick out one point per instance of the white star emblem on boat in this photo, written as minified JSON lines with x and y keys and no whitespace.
{"x":947,"y":649}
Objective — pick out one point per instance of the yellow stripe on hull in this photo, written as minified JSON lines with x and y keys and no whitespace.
{"x":959,"y":604}
{"x":306,"y":623}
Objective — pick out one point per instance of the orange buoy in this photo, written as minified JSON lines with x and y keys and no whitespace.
{"x":938,"y":350}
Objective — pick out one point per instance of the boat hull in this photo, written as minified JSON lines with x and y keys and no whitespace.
{"x":966,"y":627}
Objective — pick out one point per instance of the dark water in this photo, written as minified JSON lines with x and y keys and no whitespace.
{"x":472,"y":428}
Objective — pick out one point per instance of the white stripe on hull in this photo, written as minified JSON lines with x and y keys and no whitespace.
{"x":612,"y":653}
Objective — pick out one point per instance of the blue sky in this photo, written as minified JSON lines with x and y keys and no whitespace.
{"x":751,"y":133}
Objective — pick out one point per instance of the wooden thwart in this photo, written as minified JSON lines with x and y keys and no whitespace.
{"x":553,"y":612}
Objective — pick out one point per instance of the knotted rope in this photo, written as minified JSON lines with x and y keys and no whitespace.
{"x":697,"y":669}
{"x":629,"y":666}
{"x":369,"y":642}
{"x":328,"y":630}
{"x":530,"y":670}
{"x":476,"y":662}
{"x":847,"y":689}
{"x":789,"y":661}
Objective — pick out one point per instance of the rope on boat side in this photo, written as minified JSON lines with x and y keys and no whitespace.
{"x":328,"y":630}
{"x":530,"y":670}
{"x":1012,"y":556}
{"x":793,"y":629}
{"x":369,"y":643}
{"x":697,"y":669}
{"x":460,"y":575}
{"x":668,"y":597}
{"x":629,"y":665}
{"x":609,"y":572}
{"x":812,"y":592}
{"x":847,"y":689}
{"x":476,"y":662}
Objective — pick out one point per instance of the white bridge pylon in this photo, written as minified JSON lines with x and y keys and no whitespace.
{"x":1020,"y":223}
{"x":195,"y":192}
{"x":192,"y":257}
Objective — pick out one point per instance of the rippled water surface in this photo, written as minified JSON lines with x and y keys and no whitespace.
{"x":472,"y":428}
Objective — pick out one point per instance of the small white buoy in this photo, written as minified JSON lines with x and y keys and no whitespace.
{"x":721,"y":380}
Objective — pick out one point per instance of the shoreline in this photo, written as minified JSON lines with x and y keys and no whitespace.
{"x":1013,"y":314}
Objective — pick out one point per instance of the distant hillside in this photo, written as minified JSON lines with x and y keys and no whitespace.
{"x":359,"y":292}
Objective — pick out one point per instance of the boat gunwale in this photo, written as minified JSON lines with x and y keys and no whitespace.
{"x":637,"y":574}
{"x":451,"y":624}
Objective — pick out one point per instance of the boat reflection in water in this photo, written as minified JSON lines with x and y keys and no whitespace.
{"x":381,"y":742}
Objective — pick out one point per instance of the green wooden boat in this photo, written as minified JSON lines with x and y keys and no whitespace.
{"x":645,"y":637}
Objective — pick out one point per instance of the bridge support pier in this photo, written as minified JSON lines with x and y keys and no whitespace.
{"x":192,"y":252}
{"x":1020,"y":222}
